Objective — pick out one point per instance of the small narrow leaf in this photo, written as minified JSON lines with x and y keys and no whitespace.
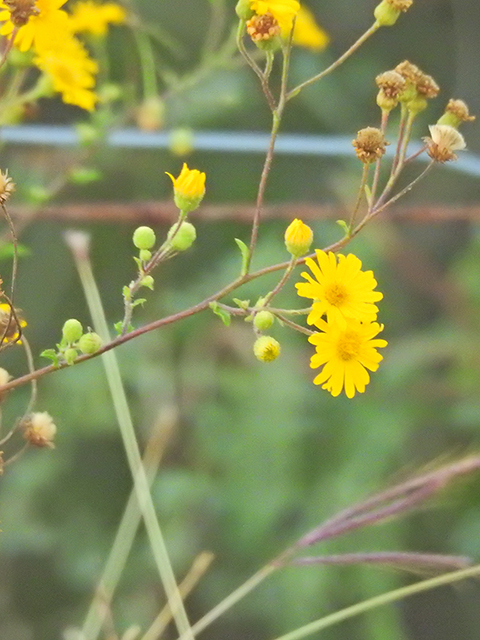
{"x":345,"y":227}
{"x":224,"y":316}
{"x":245,"y":251}
{"x":140,"y":301}
{"x":52,"y":355}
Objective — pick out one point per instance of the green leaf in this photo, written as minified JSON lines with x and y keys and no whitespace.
{"x":345,"y":227}
{"x":368,"y":195}
{"x":245,"y":251}
{"x":126,"y":293}
{"x":242,"y":304}
{"x":140,"y":301}
{"x":52,"y":355}
{"x":119,"y":325}
{"x":224,"y":316}
{"x":84,"y":175}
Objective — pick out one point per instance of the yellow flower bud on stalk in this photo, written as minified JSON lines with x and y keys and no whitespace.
{"x":188,"y":188}
{"x":266,"y":349}
{"x":298,"y":238}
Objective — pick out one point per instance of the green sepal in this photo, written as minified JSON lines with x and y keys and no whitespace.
{"x":118,"y":326}
{"x":242,"y":304}
{"x":245,"y":251}
{"x":224,"y":316}
{"x":52,"y":355}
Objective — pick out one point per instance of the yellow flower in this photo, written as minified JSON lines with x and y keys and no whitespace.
{"x":94,"y":18}
{"x":298,"y":238}
{"x":282,"y":10}
{"x":339,"y":289}
{"x":307,"y":32}
{"x":189,"y":188}
{"x":71,"y":72}
{"x":9,"y":327}
{"x":45,"y":25}
{"x":346,"y":351}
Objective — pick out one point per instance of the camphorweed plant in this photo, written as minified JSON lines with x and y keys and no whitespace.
{"x":51,"y":48}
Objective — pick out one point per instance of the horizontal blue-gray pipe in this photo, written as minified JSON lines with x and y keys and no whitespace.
{"x":224,"y":141}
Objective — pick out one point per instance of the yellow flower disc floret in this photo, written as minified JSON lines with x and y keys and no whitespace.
{"x":346,"y":351}
{"x":339,"y":289}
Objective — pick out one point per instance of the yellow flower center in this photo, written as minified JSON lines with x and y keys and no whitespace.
{"x":336,"y":294}
{"x":348,"y":346}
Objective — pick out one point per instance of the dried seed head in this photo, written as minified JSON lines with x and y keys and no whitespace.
{"x":7,"y":187}
{"x":263,"y":28}
{"x":39,"y":429}
{"x":369,"y":144}
{"x":443,"y":142}
{"x":426,"y":86}
{"x":456,"y":112}
{"x":400,"y":5}
{"x":409,"y":71}
{"x":21,"y":10}
{"x":391,"y":83}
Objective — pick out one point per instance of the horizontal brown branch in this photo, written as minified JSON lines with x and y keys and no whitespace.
{"x":166,"y":212}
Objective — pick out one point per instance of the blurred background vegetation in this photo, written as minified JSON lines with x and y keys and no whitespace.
{"x":259,"y":454}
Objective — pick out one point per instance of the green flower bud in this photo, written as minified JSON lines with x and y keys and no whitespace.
{"x":145,"y":255}
{"x":266,"y":348}
{"x":181,"y":141}
{"x":72,"y":330}
{"x":243,"y":10}
{"x":183,"y":238}
{"x":144,"y":238}
{"x":70,"y":355}
{"x":263,"y":320}
{"x":90,"y":342}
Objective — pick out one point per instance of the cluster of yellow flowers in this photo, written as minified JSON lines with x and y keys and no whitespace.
{"x":345,"y":313}
{"x":51,"y":33}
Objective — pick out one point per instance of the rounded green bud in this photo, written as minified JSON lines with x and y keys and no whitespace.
{"x":70,"y":355}
{"x":90,"y":342}
{"x":145,"y":255}
{"x":181,"y":141}
{"x":144,"y":238}
{"x":243,"y":10}
{"x":72,"y":330}
{"x":266,"y":348}
{"x":147,"y":281}
{"x":263,"y":320}
{"x":184,"y":236}
{"x":417,"y":105}
{"x":385,"y":14}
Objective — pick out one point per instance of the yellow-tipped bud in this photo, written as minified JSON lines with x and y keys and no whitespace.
{"x":188,"y":188}
{"x":298,"y":238}
{"x":266,"y":348}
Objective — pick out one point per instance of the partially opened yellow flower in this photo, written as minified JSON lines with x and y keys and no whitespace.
{"x":46,"y":24}
{"x":346,"y":350}
{"x":282,"y":10}
{"x":92,"y":17}
{"x":188,"y":188}
{"x":307,"y":32}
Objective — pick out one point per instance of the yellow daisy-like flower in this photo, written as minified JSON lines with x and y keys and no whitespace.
{"x":282,"y":10}
{"x":71,"y":72}
{"x":346,"y":350}
{"x":307,"y":32}
{"x":94,"y":18}
{"x":9,"y":325}
{"x":339,"y":289}
{"x":188,"y":188}
{"x":46,"y":24}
